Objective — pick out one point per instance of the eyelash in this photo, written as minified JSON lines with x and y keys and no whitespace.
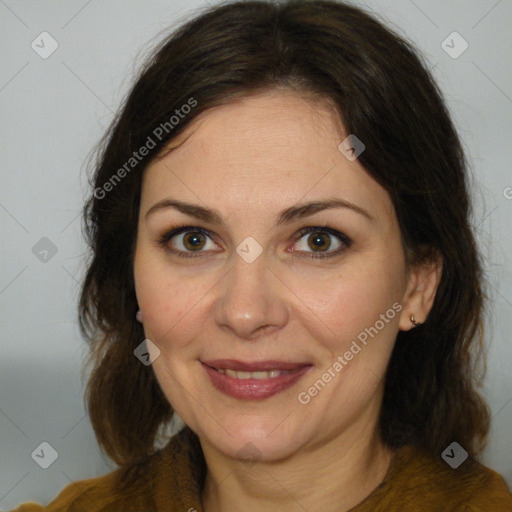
{"x":178,"y":230}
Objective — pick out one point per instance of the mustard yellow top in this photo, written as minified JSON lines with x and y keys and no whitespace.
{"x":171,"y":480}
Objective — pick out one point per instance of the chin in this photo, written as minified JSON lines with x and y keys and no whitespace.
{"x":254,"y":439}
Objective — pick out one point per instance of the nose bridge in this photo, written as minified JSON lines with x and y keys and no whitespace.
{"x":250,"y":299}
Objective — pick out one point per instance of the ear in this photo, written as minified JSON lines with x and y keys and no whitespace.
{"x":422,"y":283}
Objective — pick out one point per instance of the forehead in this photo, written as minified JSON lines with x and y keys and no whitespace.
{"x":261,"y":153}
{"x":258,"y":128}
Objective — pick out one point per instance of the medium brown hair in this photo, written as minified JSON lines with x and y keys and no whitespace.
{"x":385,"y":95}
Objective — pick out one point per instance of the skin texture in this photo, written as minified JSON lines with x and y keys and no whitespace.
{"x":250,"y":160}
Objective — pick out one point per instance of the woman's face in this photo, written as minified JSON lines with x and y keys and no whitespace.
{"x":240,"y":288}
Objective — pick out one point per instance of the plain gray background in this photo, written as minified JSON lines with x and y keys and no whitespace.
{"x":53,"y":112}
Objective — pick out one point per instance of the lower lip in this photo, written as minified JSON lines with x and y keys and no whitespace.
{"x":253,"y":389}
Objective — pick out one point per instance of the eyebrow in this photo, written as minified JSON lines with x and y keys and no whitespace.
{"x":285,"y":217}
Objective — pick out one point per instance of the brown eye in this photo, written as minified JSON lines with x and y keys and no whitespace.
{"x":193,"y":240}
{"x":187,"y":241}
{"x":319,"y":242}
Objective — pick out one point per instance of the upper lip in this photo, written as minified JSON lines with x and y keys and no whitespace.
{"x":233,"y":364}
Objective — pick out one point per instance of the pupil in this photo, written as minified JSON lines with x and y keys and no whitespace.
{"x":193,"y":240}
{"x":319,"y":241}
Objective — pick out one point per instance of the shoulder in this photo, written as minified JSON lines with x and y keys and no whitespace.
{"x":419,"y":477}
{"x":94,"y":494}
{"x":74,"y":496}
{"x":153,"y":484}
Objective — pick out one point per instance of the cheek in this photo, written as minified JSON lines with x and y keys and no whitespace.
{"x":172,"y":301}
{"x":160,"y":298}
{"x":345,"y":303}
{"x":168,"y":308}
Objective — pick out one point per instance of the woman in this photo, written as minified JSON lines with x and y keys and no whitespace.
{"x":280,"y":212}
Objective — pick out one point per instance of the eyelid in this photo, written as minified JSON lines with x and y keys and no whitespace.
{"x":164,"y":239}
{"x":344,"y":240}
{"x":323,"y":229}
{"x":180,"y":229}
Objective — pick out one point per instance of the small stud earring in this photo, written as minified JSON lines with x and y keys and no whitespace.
{"x":414,"y":321}
{"x":138,"y":315}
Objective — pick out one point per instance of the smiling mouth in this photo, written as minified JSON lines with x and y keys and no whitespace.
{"x":260,"y":375}
{"x":252,"y":381}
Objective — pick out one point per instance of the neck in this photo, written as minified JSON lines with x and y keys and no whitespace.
{"x":333,"y":476}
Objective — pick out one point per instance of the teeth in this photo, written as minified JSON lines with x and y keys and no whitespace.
{"x":260,"y":375}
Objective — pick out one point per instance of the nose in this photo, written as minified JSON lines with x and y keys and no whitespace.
{"x":251,"y":300}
